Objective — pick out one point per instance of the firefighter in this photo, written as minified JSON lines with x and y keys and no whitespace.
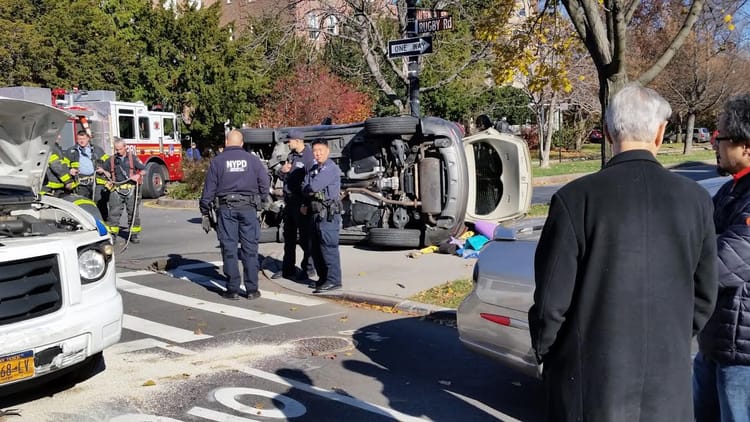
{"x":125,"y":174}
{"x":59,"y":178}
{"x":239,"y":182}
{"x":59,"y":181}
{"x":87,"y":161}
{"x":322,"y":192}
{"x":298,"y":163}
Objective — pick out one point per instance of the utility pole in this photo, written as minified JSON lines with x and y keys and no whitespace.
{"x":413,"y":67}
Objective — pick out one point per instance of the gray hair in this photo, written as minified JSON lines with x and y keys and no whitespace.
{"x":116,"y":140}
{"x":635,"y":114}
{"x":735,"y":118}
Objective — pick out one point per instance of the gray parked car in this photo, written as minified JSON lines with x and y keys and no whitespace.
{"x":407,"y":182}
{"x":493,"y":318}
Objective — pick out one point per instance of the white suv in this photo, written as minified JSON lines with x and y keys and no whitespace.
{"x":59,"y":306}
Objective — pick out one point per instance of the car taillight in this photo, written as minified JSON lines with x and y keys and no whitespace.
{"x":497,"y":319}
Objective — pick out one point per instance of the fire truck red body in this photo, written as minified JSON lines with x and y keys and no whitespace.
{"x":153,"y":135}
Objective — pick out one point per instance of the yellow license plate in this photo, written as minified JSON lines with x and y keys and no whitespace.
{"x":16,"y":366}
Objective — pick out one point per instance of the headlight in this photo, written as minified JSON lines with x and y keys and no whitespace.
{"x":91,"y":265}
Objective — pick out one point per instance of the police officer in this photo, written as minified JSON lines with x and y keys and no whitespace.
{"x":239,"y":182}
{"x":322,"y":192}
{"x":86,"y":161}
{"x":298,"y":164}
{"x":125,"y":173}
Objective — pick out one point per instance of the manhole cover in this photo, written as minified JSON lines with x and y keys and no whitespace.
{"x":316,"y":346}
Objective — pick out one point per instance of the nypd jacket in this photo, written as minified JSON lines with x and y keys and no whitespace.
{"x":726,"y":336}
{"x":234,"y":171}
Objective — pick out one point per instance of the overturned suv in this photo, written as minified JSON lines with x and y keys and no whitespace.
{"x":405,"y":181}
{"x":59,"y":306}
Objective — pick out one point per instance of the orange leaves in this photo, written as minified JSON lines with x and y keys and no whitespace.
{"x":311,"y":94}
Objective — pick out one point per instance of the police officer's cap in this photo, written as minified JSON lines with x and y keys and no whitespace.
{"x":320,"y":142}
{"x":295,"y":134}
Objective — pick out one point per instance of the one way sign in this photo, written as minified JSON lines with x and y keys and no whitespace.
{"x":409,"y":47}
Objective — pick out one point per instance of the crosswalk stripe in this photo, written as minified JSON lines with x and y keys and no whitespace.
{"x":138,"y":273}
{"x":266,"y":294}
{"x":200,"y":265}
{"x":147,"y":343}
{"x":167,"y":332}
{"x":218,"y":308}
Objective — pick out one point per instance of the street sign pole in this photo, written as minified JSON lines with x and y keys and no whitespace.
{"x":413,"y":67}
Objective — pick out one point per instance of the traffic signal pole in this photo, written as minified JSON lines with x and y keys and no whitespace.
{"x":413,"y":66}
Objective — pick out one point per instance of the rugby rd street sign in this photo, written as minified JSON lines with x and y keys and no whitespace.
{"x":409,"y":47}
{"x":441,"y":23}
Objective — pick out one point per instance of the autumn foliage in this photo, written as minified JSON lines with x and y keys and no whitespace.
{"x":311,"y":94}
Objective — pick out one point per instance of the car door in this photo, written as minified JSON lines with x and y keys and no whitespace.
{"x":500,"y":185}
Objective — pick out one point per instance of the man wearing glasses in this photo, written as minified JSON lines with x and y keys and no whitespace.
{"x":721,"y":369}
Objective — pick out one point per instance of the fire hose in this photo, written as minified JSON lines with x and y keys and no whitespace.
{"x":112,"y":186}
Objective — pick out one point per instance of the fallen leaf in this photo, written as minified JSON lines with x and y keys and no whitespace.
{"x":361,"y":274}
{"x":149,"y":383}
{"x":259,"y":405}
{"x":292,"y":309}
{"x":344,"y":318}
{"x":348,"y":353}
{"x":198,"y":331}
{"x":401,"y":285}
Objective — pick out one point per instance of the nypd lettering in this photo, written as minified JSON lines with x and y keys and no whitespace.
{"x":236,"y":165}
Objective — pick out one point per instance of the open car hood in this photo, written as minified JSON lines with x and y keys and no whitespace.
{"x":27,"y":130}
{"x":499,"y":176}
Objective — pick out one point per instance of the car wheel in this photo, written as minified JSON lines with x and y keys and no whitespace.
{"x":257,"y":136}
{"x":155,"y":180}
{"x":400,"y":238}
{"x":400,"y":125}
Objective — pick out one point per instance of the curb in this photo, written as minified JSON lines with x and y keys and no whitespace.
{"x":403,"y":305}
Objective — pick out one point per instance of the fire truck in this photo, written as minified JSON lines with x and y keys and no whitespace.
{"x":152,"y":135}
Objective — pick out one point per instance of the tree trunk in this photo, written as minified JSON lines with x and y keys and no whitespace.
{"x":548,"y":141}
{"x":689,"y":132}
{"x":609,"y":86}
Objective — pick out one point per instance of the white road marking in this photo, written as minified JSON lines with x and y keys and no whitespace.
{"x":182,"y":273}
{"x":167,"y":332}
{"x":147,"y":343}
{"x":351,"y":401}
{"x":203,"y":305}
{"x":483,"y":407}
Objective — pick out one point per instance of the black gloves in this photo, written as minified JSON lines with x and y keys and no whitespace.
{"x":206,"y":223}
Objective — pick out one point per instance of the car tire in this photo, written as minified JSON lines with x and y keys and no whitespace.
{"x":257,"y":136}
{"x":395,"y":238}
{"x":399,"y":125}
{"x":154,"y":181}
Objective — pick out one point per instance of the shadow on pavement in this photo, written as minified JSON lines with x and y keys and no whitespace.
{"x":469,"y":387}
{"x":426,"y":373}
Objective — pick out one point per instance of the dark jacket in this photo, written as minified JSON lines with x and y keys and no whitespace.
{"x":293,"y":180}
{"x":120,"y":168}
{"x":726,"y":337}
{"x":625,"y":276}
{"x":324,"y":178}
{"x":98,"y":159}
{"x":58,"y":169}
{"x":234,"y":171}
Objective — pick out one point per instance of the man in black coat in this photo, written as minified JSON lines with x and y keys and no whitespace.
{"x":625,"y":276}
{"x":721,"y":370}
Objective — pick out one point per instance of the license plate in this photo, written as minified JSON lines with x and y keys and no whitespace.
{"x":16,"y":366}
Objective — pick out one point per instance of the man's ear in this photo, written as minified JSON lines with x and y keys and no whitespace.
{"x":660,"y":135}
{"x":606,"y":134}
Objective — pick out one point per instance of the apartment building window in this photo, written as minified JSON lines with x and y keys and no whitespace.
{"x":332,"y":25}
{"x":313,"y":25}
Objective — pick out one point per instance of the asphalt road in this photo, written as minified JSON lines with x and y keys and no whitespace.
{"x":189,"y":355}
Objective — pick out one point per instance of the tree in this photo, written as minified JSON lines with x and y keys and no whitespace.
{"x":369,"y":25}
{"x":311,"y":94}
{"x":603,"y":27}
{"x":537,"y":53}
{"x":704,"y":73}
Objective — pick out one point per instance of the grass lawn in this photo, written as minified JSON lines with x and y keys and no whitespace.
{"x":588,"y":159}
{"x":448,"y":295}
